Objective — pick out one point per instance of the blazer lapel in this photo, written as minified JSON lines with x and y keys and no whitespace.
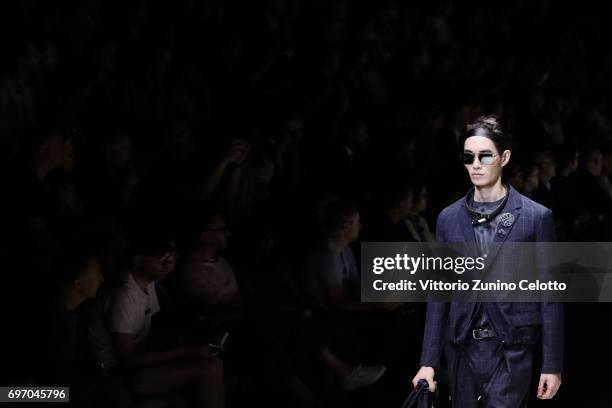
{"x":513,"y":207}
{"x":507,"y":222}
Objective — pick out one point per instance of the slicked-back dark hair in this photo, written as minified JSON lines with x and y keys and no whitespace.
{"x":489,"y":126}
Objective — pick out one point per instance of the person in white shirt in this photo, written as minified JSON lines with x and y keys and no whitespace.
{"x":133,"y":304}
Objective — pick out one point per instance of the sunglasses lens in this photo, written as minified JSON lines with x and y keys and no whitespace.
{"x":486,"y":158}
{"x":468,"y":158}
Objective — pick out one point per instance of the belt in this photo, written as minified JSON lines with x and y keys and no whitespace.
{"x":480,"y":334}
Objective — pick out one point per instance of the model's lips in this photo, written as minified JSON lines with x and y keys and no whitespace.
{"x":477,"y":174}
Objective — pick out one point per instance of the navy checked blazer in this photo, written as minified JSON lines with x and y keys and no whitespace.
{"x":450,"y":321}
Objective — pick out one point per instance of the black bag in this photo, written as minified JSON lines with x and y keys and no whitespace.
{"x":420,"y":397}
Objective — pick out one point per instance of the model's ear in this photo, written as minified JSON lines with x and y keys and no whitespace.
{"x":506,"y":157}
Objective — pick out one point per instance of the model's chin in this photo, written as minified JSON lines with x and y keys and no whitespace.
{"x":479,"y":181}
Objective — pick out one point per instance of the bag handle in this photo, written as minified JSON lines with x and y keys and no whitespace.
{"x":420,"y":391}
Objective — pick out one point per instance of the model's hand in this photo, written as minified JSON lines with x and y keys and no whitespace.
{"x":425,"y":373}
{"x":549,"y":385}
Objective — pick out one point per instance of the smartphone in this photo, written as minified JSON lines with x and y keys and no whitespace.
{"x":218,"y":347}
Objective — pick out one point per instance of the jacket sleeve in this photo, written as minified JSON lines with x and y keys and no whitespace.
{"x":552,"y":312}
{"x":435,"y":322}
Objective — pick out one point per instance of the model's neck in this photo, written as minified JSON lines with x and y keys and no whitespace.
{"x":489,"y":194}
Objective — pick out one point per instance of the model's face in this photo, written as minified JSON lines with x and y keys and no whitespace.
{"x":484,"y":175}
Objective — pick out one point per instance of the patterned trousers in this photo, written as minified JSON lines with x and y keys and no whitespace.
{"x":485,"y":374}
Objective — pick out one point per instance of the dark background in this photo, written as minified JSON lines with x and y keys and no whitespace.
{"x":151,"y":94}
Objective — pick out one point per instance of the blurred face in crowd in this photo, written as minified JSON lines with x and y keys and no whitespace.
{"x":359,"y":135}
{"x":406,"y":204}
{"x":215,"y":234}
{"x":352,"y":227}
{"x":516,"y":177}
{"x":532,"y":180}
{"x":90,"y":279}
{"x":156,"y":267}
{"x":68,"y":160}
{"x":484,"y":171}
{"x":547,"y":168}
{"x":168,"y":262}
{"x":573,"y":164}
{"x":437,"y":123}
{"x":50,"y":56}
{"x":405,"y":152}
{"x":181,"y":141}
{"x":52,"y":151}
{"x":294,"y":128}
{"x":607,"y":164}
{"x":594,"y":162}
{"x":420,"y":202}
{"x":119,"y":152}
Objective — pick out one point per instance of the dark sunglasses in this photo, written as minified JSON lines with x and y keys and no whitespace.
{"x":483,"y":158}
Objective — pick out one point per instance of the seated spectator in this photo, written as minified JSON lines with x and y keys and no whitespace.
{"x":416,"y":223}
{"x":606,"y":171}
{"x":593,"y":207}
{"x":67,"y":358}
{"x":389,"y":225}
{"x":546,"y":170}
{"x":111,"y":178}
{"x":564,"y":188}
{"x":347,"y":170}
{"x":153,"y":371}
{"x":332,"y":281}
{"x":330,"y":269}
{"x":207,"y":284}
{"x":287,"y":158}
{"x":514,"y":175}
{"x":331,"y":277}
{"x":204,"y":278}
{"x":65,"y":196}
{"x":531,"y":179}
{"x":34,"y":213}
